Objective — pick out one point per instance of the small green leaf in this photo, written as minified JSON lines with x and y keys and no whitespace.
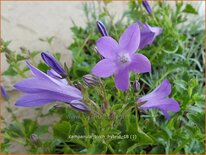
{"x":43,"y":67}
{"x":190,"y":9}
{"x":20,"y":57}
{"x":10,"y":71}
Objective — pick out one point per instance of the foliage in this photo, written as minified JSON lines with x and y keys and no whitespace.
{"x":178,"y":55}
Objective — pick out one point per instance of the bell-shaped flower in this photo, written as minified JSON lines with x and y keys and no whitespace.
{"x":42,"y":89}
{"x":158,"y":99}
{"x":120,"y":58}
{"x":148,"y":34}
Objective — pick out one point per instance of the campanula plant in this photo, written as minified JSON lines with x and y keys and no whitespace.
{"x":136,"y":86}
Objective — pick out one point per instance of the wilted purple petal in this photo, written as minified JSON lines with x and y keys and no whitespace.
{"x":104,"y":68}
{"x":122,"y":79}
{"x":147,"y":6}
{"x":107,"y":47}
{"x":79,"y":106}
{"x":52,"y":62}
{"x":130,"y":39}
{"x":140,"y":64}
{"x":102,"y":28}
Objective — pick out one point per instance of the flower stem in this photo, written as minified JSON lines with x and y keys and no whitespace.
{"x":106,"y":103}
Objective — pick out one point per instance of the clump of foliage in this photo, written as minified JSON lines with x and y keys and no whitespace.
{"x":178,"y":55}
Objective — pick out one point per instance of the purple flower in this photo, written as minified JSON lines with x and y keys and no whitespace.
{"x":56,"y":76}
{"x":148,"y":34}
{"x":42,"y":89}
{"x":102,"y":28}
{"x":52,"y":62}
{"x":120,"y":59}
{"x":4,"y":93}
{"x":147,"y":6}
{"x":158,"y":98}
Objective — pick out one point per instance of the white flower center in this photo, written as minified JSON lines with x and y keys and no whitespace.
{"x":124,"y":58}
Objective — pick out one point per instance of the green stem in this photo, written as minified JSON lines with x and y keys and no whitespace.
{"x":106,"y":103}
{"x":21,"y":73}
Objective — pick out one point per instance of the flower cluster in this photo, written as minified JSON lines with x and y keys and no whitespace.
{"x":119,"y":59}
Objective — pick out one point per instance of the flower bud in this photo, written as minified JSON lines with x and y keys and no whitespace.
{"x":102,"y":28}
{"x":34,"y":139}
{"x":78,"y":105}
{"x":79,"y":86}
{"x":90,"y":80}
{"x":147,"y":6}
{"x":4,"y":93}
{"x":52,"y":62}
{"x":136,"y":86}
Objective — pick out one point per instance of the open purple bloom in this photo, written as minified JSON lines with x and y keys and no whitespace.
{"x":120,"y":58}
{"x":52,"y":62}
{"x":148,"y":34}
{"x":42,"y":89}
{"x":4,"y":93}
{"x":147,"y":6}
{"x":158,"y":98}
{"x":102,"y":28}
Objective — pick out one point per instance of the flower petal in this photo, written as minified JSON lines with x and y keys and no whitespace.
{"x":122,"y":79}
{"x":104,"y":68}
{"x":79,"y":106}
{"x":148,"y":34}
{"x":161,"y":91}
{"x":42,"y":76}
{"x":41,"y":98}
{"x":32,"y":100}
{"x":107,"y":47}
{"x":140,"y":64}
{"x":34,"y":85}
{"x":166,"y":104}
{"x":130,"y":39}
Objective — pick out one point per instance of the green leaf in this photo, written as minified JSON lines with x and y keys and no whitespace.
{"x":43,"y":67}
{"x":190,"y":9}
{"x":10,"y":71}
{"x":62,"y":129}
{"x":41,"y":130}
{"x":20,"y":57}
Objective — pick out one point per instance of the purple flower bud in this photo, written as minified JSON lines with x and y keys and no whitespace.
{"x":102,"y":28}
{"x":90,"y":80}
{"x":147,"y":6}
{"x":79,"y":86}
{"x":34,"y":139}
{"x":136,"y":85}
{"x":52,"y":62}
{"x":78,"y":105}
{"x":4,"y":93}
